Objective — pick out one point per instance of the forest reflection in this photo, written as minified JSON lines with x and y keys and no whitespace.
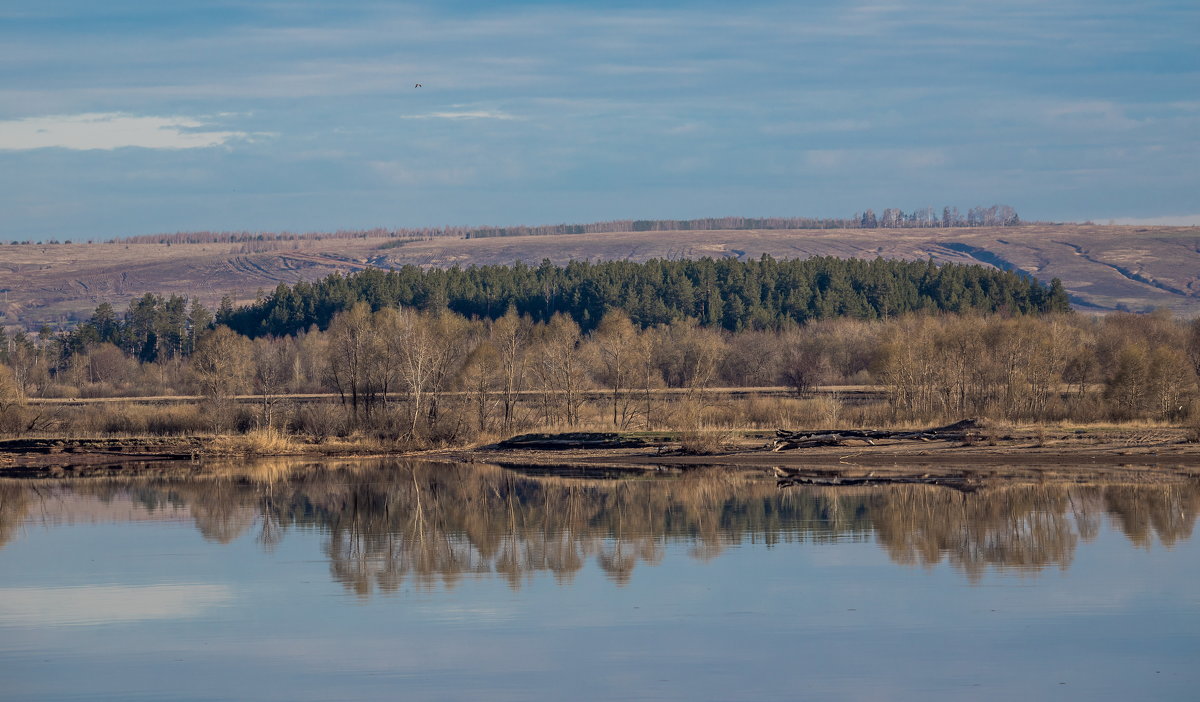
{"x":386,"y":524}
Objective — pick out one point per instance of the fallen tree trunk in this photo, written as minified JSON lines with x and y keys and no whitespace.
{"x":787,"y":440}
{"x":573,"y":440}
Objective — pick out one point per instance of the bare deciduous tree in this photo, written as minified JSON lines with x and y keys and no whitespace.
{"x":690,"y":355}
{"x":510,"y":336}
{"x":222,"y":367}
{"x":351,"y":339}
{"x":12,"y":401}
{"x":428,"y":348}
{"x":560,"y":370}
{"x":482,"y":373}
{"x":616,"y":345}
{"x":274,"y":369}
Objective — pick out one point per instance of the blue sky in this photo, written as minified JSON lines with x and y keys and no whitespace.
{"x":137,"y":116}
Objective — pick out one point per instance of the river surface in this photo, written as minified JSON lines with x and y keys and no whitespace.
{"x":420,"y":581}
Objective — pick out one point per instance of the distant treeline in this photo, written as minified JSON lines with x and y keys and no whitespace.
{"x":891,"y":218}
{"x":726,"y":293}
{"x":245,"y":237}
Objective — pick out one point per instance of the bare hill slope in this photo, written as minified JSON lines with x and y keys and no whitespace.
{"x":1103,"y":267}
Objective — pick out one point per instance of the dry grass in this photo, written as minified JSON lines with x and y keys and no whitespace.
{"x":776,"y":412}
{"x":705,"y":425}
{"x":261,"y":442}
{"x":358,"y":443}
{"x":706,"y":441}
{"x":137,"y":420}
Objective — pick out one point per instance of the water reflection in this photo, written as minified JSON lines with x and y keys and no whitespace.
{"x":387,"y":524}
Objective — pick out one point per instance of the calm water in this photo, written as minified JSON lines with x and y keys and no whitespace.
{"x":363,"y":581}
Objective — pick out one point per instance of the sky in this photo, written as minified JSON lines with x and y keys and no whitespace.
{"x":130,"y":117}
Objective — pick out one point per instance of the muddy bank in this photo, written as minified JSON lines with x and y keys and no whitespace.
{"x":50,"y":451}
{"x":963,"y":472}
{"x":1138,"y":455}
{"x":1134,"y":454}
{"x":30,"y":456}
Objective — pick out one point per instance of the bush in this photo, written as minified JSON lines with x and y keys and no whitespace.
{"x":705,"y":441}
{"x":1192,"y":434}
{"x":12,"y":420}
{"x":174,"y":421}
{"x":321,"y":421}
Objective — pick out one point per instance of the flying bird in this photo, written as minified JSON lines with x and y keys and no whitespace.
{"x":417,"y":85}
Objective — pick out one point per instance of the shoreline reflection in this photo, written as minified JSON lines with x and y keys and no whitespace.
{"x":390,"y":523}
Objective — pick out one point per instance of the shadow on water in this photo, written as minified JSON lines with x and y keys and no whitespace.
{"x":387,"y":523}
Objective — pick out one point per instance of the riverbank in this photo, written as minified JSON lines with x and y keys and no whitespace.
{"x":1028,"y":445}
{"x":1151,"y":455}
{"x":34,"y":454}
{"x":1026,"y":453}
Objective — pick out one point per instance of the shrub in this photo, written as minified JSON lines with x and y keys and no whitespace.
{"x":705,"y":441}
{"x":321,"y":421}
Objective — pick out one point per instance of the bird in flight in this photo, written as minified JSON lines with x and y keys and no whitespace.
{"x":417,"y":85}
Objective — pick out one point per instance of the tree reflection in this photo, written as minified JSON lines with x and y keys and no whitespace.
{"x":1168,"y":513}
{"x":388,"y":525}
{"x":1025,"y":528}
{"x":14,"y":506}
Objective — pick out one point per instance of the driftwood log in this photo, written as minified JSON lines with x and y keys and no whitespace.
{"x":787,"y":440}
{"x":573,"y":440}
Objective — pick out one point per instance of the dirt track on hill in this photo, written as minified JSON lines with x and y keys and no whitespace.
{"x":1102,"y":267}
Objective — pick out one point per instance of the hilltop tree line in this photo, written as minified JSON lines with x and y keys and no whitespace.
{"x":891,"y":217}
{"x":727,"y":293}
{"x":894,"y":218}
{"x":979,"y":216}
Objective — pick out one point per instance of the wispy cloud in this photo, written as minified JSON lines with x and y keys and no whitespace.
{"x":618,"y":69}
{"x":466,"y":114}
{"x":1092,"y":114}
{"x":404,"y":174}
{"x":847,"y":124}
{"x":858,"y":158}
{"x":1066,"y":110}
{"x":110,"y":130}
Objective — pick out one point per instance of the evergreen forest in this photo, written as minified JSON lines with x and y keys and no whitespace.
{"x":722,"y":293}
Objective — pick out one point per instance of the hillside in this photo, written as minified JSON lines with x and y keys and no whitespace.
{"x":1102,"y":267}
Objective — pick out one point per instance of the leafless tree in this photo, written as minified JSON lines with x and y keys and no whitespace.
{"x":428,"y":349}
{"x":510,"y":336}
{"x":351,"y":340}
{"x":222,"y":367}
{"x":274,"y":369}
{"x":12,"y":401}
{"x":560,"y":369}
{"x":616,"y":346}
